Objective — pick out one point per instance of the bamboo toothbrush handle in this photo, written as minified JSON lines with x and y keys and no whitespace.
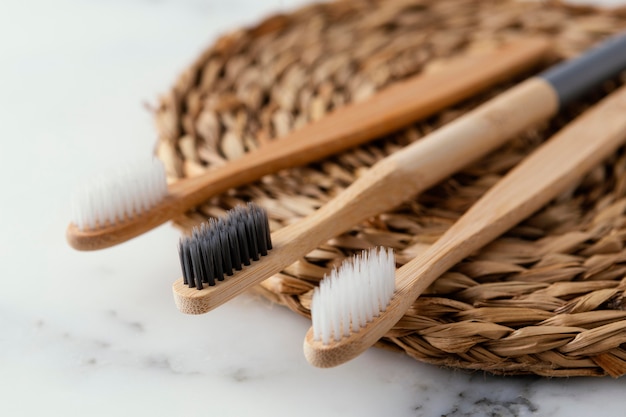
{"x":435,"y":157}
{"x":556,"y":165}
{"x":551,"y":169}
{"x":386,"y":111}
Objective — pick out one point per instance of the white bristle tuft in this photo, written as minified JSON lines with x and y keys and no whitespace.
{"x":128,"y":192}
{"x":351,"y":296}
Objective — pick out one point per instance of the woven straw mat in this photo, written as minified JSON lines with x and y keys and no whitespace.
{"x":547,"y":298}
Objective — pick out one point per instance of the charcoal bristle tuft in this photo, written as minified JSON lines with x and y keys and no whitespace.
{"x":222,"y":246}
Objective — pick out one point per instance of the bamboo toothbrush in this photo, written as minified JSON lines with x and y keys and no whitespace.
{"x":415,"y":168}
{"x":117,"y":208}
{"x":551,"y":169}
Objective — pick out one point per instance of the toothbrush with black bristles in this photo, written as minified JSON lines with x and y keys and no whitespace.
{"x":123,"y":204}
{"x":419,"y":166}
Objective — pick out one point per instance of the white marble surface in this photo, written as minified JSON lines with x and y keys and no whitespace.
{"x":97,"y":334}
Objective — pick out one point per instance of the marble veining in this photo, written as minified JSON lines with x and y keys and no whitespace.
{"x":97,"y":334}
{"x":477,"y":402}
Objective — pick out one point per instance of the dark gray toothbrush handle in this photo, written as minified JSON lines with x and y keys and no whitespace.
{"x":574,"y":77}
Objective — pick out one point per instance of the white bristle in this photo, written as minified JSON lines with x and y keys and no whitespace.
{"x":351,"y":296}
{"x":110,"y":198}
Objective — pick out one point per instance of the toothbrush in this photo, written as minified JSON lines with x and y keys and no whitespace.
{"x":119,"y":207}
{"x":552,"y":168}
{"x":417,"y":167}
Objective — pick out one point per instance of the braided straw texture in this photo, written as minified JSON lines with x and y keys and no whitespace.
{"x":547,"y":298}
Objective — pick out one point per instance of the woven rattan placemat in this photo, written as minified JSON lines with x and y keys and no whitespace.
{"x":547,"y":298}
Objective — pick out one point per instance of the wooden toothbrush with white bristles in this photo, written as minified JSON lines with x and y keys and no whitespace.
{"x":402,"y":175}
{"x":552,"y":168}
{"x":122,"y":205}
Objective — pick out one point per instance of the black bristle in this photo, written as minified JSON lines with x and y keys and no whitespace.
{"x":242,"y":239}
{"x":220,"y":247}
{"x":183,"y":253}
{"x":215,"y":249}
{"x":234,"y":249}
{"x":227,"y":256}
{"x":194,"y":250}
{"x":209,"y":264}
{"x":251,"y":233}
{"x":261,"y":229}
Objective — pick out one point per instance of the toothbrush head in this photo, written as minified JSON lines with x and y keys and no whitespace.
{"x":221,"y":246}
{"x":352,"y":295}
{"x":108,"y":200}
